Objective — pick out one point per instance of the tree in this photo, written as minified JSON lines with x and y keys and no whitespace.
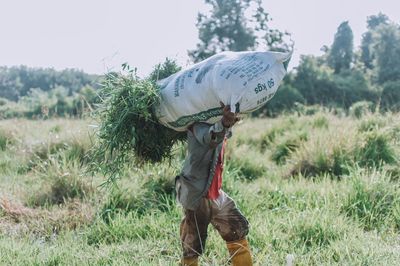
{"x":285,"y":99}
{"x":228,"y":28}
{"x":367,"y":58}
{"x":164,"y":70}
{"x":352,"y":86}
{"x":318,"y":85}
{"x":373,"y":22}
{"x":390,"y":98}
{"x":387,"y":53}
{"x":341,"y":52}
{"x":313,"y":81}
{"x":376,"y":20}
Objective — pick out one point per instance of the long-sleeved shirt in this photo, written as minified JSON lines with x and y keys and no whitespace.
{"x":204,"y":147}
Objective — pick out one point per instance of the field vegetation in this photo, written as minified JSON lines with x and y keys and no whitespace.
{"x":320,"y":187}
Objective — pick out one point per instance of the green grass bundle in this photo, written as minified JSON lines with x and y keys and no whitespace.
{"x":129,"y":130}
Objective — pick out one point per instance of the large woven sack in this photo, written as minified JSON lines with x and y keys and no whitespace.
{"x":244,"y":80}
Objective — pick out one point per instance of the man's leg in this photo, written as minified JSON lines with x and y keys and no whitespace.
{"x":193,"y":233}
{"x":233,"y":228}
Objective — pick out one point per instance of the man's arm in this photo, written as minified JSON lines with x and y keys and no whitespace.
{"x":212,"y":135}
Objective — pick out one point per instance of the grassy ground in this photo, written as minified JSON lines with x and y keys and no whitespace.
{"x":320,"y":189}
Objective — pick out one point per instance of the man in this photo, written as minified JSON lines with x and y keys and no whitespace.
{"x":199,"y":192}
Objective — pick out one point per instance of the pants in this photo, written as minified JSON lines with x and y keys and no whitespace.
{"x":222,"y":213}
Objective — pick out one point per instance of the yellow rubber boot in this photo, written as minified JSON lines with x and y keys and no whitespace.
{"x":193,"y":261}
{"x":240,"y":253}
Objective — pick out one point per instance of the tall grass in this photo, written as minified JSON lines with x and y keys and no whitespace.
{"x":157,"y":194}
{"x":5,"y":140}
{"x":376,"y":149}
{"x":333,"y":199}
{"x":63,"y":180}
{"x":373,"y":201}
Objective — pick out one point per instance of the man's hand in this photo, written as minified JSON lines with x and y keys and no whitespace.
{"x":228,"y":118}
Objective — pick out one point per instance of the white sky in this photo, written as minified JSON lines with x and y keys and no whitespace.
{"x":99,"y":35}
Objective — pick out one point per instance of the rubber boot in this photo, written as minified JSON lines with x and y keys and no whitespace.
{"x":240,"y":253}
{"x":193,"y":261}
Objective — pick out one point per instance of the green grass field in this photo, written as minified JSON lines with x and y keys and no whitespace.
{"x":320,"y":188}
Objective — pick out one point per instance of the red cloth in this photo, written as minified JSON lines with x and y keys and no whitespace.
{"x":216,"y":183}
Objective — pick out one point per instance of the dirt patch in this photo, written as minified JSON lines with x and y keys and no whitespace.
{"x":17,"y":219}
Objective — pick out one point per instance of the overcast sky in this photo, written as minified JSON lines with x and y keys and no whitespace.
{"x":99,"y":35}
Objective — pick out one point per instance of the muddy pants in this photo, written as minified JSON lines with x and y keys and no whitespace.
{"x":222,"y":213}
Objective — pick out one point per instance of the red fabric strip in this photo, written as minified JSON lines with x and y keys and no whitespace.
{"x":216,"y":184}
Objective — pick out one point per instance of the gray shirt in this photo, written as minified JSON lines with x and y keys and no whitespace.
{"x":204,"y":146}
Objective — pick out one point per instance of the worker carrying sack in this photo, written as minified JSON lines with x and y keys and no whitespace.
{"x":244,"y":80}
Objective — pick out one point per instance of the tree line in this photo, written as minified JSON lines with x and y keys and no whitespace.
{"x":16,"y":82}
{"x":343,"y":76}
{"x":32,"y":92}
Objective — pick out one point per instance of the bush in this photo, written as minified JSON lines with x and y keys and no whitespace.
{"x":73,"y":150}
{"x":63,"y":180}
{"x":320,"y":122}
{"x":311,"y":234}
{"x":113,"y":231}
{"x":334,"y":154}
{"x":360,"y":109}
{"x":283,"y":150}
{"x":319,"y":159}
{"x":44,"y":151}
{"x":308,"y":110}
{"x":285,"y":99}
{"x":119,"y":200}
{"x":269,"y":137}
{"x":245,"y":168}
{"x":314,"y":82}
{"x":12,"y":110}
{"x":77,"y":150}
{"x":374,"y":204}
{"x":393,"y":172}
{"x":372,"y":123}
{"x":5,"y":140}
{"x":352,"y":86}
{"x":155,"y":194}
{"x":129,"y":227}
{"x":390,"y":98}
{"x":62,"y":188}
{"x":89,"y":95}
{"x":375,"y":150}
{"x":3,"y":101}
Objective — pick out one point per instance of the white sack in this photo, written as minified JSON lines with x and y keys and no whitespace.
{"x":244,"y":80}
